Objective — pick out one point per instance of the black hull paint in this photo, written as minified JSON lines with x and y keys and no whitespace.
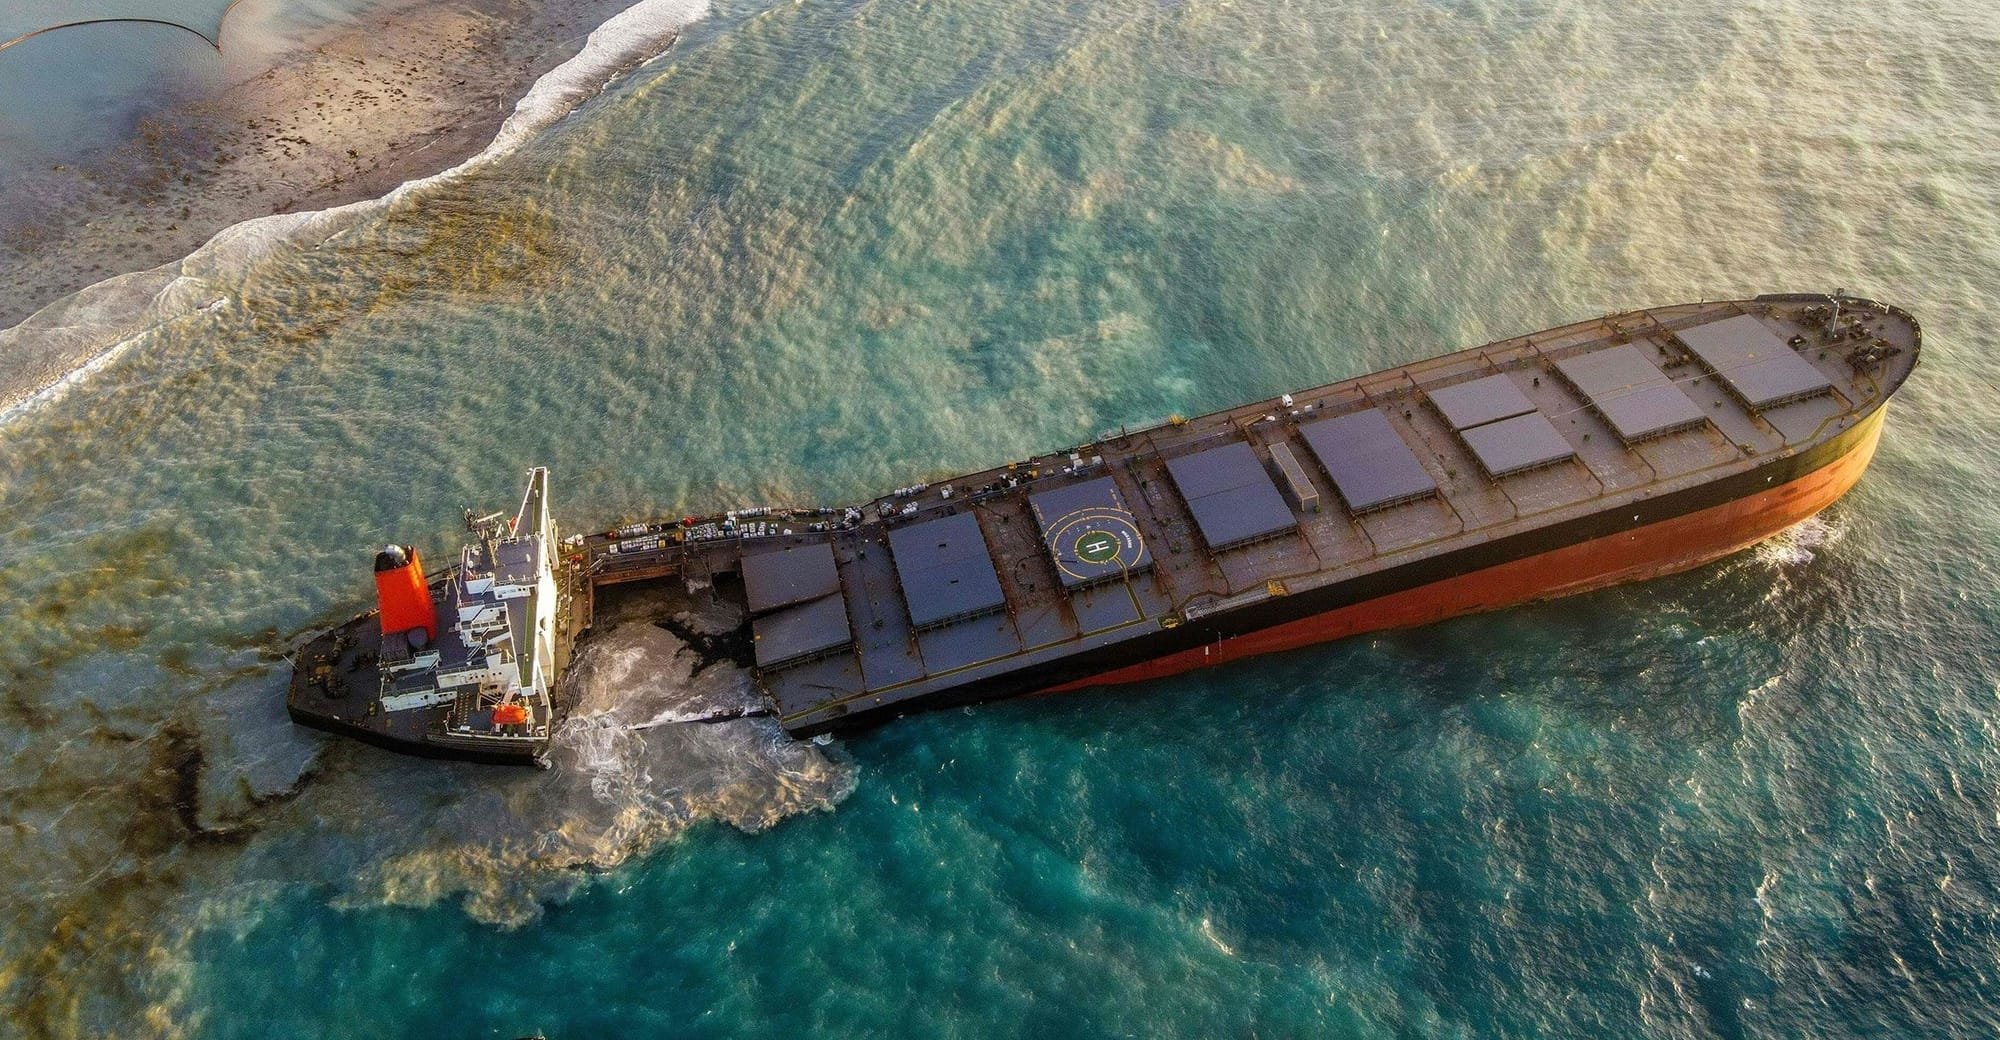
{"x":410,"y":747}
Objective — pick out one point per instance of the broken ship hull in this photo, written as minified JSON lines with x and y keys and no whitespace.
{"x":343,"y":699}
{"x":457,"y":664}
{"x":1606,"y":451}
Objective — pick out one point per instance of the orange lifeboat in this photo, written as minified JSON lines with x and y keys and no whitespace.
{"x":510,"y":715}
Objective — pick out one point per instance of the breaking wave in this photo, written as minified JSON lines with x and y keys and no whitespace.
{"x":65,"y":342}
{"x":623,"y":780}
{"x":1797,"y":544}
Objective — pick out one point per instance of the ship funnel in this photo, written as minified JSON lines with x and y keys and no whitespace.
{"x":405,"y":597}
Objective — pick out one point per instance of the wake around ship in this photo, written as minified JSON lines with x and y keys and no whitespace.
{"x":1611,"y":450}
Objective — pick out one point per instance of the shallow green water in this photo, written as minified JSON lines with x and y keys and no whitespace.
{"x":818,"y":250}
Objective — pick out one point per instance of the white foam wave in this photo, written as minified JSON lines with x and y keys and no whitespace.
{"x":616,"y":789}
{"x":631,"y":36}
{"x":1795,"y":545}
{"x":65,"y":342}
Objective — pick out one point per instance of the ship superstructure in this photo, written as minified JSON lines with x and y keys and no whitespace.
{"x":461,"y":664}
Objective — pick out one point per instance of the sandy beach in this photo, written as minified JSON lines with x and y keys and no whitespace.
{"x":347,"y":117}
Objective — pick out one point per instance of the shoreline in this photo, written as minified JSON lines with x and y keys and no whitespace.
{"x":349,"y":118}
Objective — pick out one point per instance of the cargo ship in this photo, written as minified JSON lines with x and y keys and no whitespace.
{"x":1610,"y":450}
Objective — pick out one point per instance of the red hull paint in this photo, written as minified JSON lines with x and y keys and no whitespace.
{"x":1646,"y":552}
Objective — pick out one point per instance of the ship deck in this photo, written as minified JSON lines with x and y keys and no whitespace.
{"x":1165,"y":526}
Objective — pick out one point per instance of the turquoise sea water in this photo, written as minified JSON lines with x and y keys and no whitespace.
{"x":817,"y":250}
